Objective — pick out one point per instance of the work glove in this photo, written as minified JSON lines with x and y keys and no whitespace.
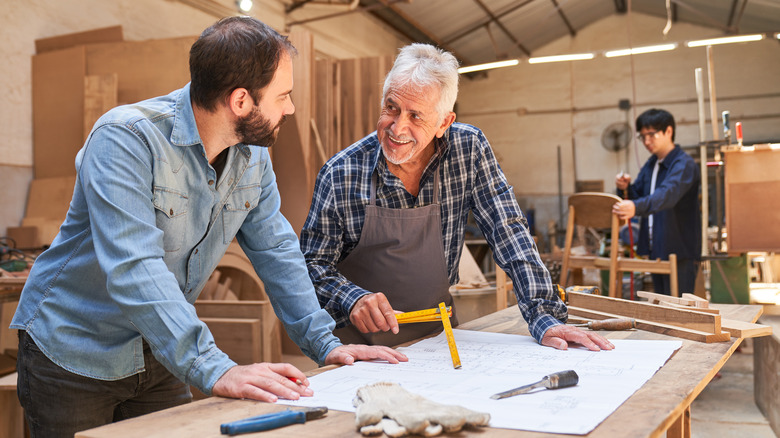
{"x":386,"y":407}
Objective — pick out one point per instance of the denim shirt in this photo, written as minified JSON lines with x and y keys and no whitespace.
{"x":147,"y":225}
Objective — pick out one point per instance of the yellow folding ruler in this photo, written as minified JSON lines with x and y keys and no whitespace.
{"x":426,"y":315}
{"x":442,"y":313}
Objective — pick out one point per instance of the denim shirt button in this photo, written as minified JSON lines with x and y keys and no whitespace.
{"x":171,"y":212}
{"x":246,"y":204}
{"x":196,"y":250}
{"x":211,"y":182}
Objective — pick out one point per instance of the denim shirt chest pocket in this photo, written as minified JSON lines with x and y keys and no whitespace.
{"x":171,"y":208}
{"x":239,"y":204}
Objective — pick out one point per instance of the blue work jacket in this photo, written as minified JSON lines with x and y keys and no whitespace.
{"x":674,"y":204}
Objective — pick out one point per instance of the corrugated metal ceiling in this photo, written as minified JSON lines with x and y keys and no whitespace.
{"x":479,"y":31}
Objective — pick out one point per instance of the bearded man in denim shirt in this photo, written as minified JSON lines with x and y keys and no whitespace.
{"x":107,"y":325}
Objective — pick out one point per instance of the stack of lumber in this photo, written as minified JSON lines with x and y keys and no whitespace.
{"x":687,"y":317}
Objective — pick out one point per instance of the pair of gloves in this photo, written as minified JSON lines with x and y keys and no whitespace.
{"x":387,"y":407}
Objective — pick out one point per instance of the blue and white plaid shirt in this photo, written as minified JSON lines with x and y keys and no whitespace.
{"x":470,"y":180}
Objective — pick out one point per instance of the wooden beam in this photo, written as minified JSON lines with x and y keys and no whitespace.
{"x":689,"y":319}
{"x":655,"y":327}
{"x":654,"y":298}
{"x":742,"y":329}
{"x":682,"y":306}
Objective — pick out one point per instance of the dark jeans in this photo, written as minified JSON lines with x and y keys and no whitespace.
{"x":58,"y":403}
{"x":686,"y":278}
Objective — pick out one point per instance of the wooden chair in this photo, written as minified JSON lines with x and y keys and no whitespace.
{"x":594,"y":210}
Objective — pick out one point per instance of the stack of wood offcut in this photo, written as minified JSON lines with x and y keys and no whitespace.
{"x":688,"y":317}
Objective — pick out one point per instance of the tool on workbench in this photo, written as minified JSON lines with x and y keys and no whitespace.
{"x":445,"y":320}
{"x":613,"y":324}
{"x":561,"y":379}
{"x":272,"y":421}
{"x":581,"y":289}
{"x":426,"y":315}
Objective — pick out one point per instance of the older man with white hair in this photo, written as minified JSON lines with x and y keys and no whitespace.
{"x":386,"y":226}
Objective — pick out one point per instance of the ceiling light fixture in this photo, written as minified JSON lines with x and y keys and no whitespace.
{"x":244,"y":5}
{"x":725,"y":40}
{"x":558,"y":58}
{"x":639,"y":50}
{"x":488,"y":66}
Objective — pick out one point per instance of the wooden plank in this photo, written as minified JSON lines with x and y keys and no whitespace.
{"x":656,"y":327}
{"x":270,"y":328}
{"x":689,"y":319}
{"x":681,"y":428}
{"x":742,"y":329}
{"x":102,"y":35}
{"x":100,"y":95}
{"x":58,"y":111}
{"x":11,"y":413}
{"x":144,"y":69}
{"x":500,"y":288}
{"x":697,"y":300}
{"x":49,"y":198}
{"x":752,"y":214}
{"x":654,"y":298}
{"x":239,"y":338}
{"x":698,"y":309}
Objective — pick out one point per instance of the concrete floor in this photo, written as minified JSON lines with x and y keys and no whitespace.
{"x":726,"y":408}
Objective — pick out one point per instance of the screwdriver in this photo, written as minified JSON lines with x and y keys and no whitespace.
{"x":613,"y":324}
{"x":561,"y":379}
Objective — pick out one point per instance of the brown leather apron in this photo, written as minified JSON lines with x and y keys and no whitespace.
{"x":400,"y":253}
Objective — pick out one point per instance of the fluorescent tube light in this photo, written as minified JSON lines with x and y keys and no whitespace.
{"x":558,"y":58}
{"x":725,"y":40}
{"x":638,"y":50}
{"x":488,"y":66}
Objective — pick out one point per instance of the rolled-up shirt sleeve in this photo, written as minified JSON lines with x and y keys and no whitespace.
{"x":506,"y":230}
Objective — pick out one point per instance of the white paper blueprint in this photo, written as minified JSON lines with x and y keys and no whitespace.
{"x":496,"y":362}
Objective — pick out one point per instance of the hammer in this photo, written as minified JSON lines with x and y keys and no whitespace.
{"x":612,"y":324}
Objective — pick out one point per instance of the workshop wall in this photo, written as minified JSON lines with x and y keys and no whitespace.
{"x":530,"y":111}
{"x":21,"y":23}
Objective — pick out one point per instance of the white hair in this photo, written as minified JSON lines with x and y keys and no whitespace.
{"x":421,"y":66}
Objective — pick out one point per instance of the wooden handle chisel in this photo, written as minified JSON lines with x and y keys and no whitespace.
{"x":561,"y":379}
{"x":613,"y":324}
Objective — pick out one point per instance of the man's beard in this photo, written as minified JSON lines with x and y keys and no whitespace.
{"x":255,"y":129}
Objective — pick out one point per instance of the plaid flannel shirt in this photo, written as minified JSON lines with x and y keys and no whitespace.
{"x":470,"y":180}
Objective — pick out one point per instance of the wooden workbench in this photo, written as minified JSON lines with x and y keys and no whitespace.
{"x":661,"y":405}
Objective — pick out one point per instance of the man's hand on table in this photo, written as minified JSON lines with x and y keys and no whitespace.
{"x":262,"y":381}
{"x":373,"y":313}
{"x":559,"y":337}
{"x":348,"y":354}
